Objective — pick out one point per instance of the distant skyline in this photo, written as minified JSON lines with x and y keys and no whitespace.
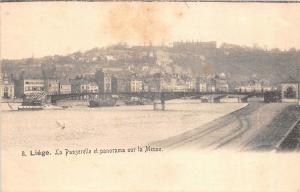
{"x":49,"y":28}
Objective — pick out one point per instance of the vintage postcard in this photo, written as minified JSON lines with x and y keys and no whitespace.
{"x":150,"y":96}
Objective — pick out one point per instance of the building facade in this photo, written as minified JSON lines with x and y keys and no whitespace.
{"x":7,"y":87}
{"x":65,"y":87}
{"x":221,"y":83}
{"x":119,"y":84}
{"x":83,"y":86}
{"x":104,"y":81}
{"x":136,"y":85}
{"x":254,"y":86}
{"x":201,"y":85}
{"x":29,"y":86}
{"x":52,"y":86}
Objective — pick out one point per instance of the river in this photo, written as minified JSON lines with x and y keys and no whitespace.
{"x":122,"y":126}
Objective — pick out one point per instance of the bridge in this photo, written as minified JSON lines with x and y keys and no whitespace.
{"x":163,"y":95}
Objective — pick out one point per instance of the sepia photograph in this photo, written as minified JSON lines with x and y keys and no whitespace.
{"x":165,"y":87}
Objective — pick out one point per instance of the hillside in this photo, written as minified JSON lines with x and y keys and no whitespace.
{"x":239,"y":62}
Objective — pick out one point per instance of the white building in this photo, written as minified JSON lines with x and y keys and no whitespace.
{"x":65,"y":87}
{"x":136,"y":85}
{"x":83,"y":86}
{"x":201,"y":85}
{"x":190,"y":84}
{"x":254,"y":86}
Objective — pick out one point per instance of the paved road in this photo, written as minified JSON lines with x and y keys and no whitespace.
{"x":249,"y":128}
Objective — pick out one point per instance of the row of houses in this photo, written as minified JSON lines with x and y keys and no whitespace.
{"x":100,"y":82}
{"x":11,"y":88}
{"x":104,"y":82}
{"x":167,"y":82}
{"x":118,"y":83}
{"x":254,"y":86}
{"x":27,"y":86}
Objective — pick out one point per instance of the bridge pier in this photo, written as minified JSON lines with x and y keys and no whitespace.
{"x":158,"y":105}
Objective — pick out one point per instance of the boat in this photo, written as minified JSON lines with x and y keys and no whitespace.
{"x":33,"y":102}
{"x":102,"y":103}
{"x":134,"y":101}
{"x":130,"y":102}
{"x":28,"y":105}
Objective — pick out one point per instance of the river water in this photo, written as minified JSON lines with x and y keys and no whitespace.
{"x":122,"y":126}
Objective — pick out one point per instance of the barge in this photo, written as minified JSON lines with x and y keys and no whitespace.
{"x":102,"y":103}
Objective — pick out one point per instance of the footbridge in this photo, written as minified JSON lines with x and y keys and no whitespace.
{"x":163,"y":95}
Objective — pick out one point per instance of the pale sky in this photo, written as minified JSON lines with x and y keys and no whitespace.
{"x":50,"y":28}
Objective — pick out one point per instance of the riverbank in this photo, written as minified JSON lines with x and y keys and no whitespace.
{"x":273,"y":133}
{"x":258,"y":126}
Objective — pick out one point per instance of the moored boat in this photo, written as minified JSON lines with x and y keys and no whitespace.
{"x":33,"y":102}
{"x":134,"y":101}
{"x":102,"y":103}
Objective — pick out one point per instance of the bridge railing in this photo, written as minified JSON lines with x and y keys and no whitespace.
{"x":152,"y":95}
